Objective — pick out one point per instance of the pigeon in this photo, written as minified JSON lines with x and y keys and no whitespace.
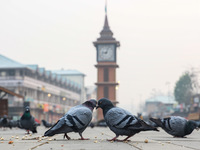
{"x":46,"y":124}
{"x":27,"y":121}
{"x":4,"y":122}
{"x":75,"y":120}
{"x":122,"y":122}
{"x":14,"y":123}
{"x":176,"y":126}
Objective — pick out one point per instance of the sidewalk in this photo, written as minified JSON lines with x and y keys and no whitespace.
{"x":98,"y":136}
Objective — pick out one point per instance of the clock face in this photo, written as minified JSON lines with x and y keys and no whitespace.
{"x":106,"y":52}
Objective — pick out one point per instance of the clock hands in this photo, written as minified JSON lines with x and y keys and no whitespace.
{"x":106,"y":52}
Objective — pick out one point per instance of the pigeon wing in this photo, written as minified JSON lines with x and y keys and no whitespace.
{"x":120,"y":118}
{"x":79,"y":118}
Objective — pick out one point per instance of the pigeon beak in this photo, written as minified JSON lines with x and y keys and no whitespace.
{"x":97,"y":107}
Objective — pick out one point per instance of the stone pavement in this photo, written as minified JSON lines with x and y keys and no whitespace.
{"x":149,"y":140}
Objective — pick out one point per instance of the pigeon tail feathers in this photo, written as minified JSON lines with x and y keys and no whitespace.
{"x":143,"y":126}
{"x":34,"y":130}
{"x":58,"y":128}
{"x":51,"y":132}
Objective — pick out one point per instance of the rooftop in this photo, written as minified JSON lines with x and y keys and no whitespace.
{"x":162,"y":98}
{"x":9,"y":63}
{"x":6,"y":62}
{"x":68,"y":72}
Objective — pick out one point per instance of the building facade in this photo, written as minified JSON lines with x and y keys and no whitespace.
{"x":160,"y":106}
{"x":48,"y":94}
{"x":77,"y":77}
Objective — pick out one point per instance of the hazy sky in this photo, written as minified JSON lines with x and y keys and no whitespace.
{"x":160,"y":39}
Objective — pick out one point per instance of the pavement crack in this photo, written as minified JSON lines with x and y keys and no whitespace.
{"x":134,"y":146}
{"x":38,"y":145}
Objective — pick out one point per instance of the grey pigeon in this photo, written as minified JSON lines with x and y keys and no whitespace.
{"x":75,"y":120}
{"x":176,"y":126}
{"x":27,"y":121}
{"x":122,"y":122}
{"x":14,"y":123}
{"x":5,"y":122}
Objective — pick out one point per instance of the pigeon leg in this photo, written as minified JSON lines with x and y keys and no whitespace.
{"x":82,"y":138}
{"x":114,"y":139}
{"x":65,"y":135}
{"x":27,"y":131}
{"x":126,"y":139}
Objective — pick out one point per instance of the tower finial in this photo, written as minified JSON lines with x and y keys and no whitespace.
{"x":106,"y":7}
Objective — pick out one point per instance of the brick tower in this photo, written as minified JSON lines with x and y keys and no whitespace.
{"x":106,"y":47}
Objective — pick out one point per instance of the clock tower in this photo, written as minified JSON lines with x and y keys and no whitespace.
{"x":106,"y":47}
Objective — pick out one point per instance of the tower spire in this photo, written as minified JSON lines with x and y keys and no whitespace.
{"x":106,"y":26}
{"x":106,"y":7}
{"x":106,"y":35}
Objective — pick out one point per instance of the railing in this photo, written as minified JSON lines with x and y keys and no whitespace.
{"x":12,"y":78}
{"x":18,"y":81}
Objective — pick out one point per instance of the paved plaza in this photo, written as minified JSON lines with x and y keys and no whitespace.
{"x":143,"y":141}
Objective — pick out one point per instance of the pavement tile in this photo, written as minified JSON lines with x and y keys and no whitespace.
{"x":150,"y":140}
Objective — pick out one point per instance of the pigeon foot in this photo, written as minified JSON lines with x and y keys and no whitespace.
{"x":65,"y":135}
{"x":113,"y":139}
{"x":27,"y":131}
{"x":126,"y":139}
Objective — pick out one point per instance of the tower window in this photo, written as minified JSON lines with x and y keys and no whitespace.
{"x":106,"y":75}
{"x":106,"y":92}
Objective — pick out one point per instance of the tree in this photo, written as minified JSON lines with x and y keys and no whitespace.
{"x":184,"y":88}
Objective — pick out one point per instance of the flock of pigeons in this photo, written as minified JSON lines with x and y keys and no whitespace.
{"x":120,"y":121}
{"x":6,"y":123}
{"x":27,"y":122}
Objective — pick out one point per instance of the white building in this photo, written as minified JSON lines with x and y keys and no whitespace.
{"x":49,"y":94}
{"x":76,"y":77}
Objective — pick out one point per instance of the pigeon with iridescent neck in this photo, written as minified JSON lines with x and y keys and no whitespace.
{"x":27,"y":121}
